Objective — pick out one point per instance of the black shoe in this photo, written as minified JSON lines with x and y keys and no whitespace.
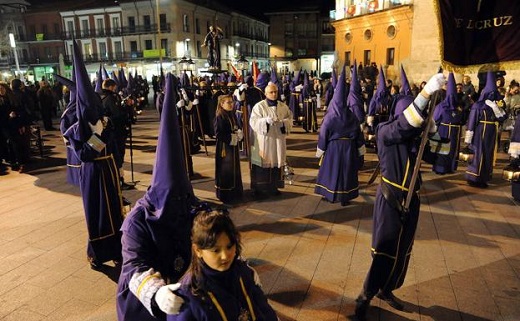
{"x":478,"y":184}
{"x":362,"y":304}
{"x":276,"y":193}
{"x":126,"y":187}
{"x":392,"y":301}
{"x":126,"y":202}
{"x":95,"y":264}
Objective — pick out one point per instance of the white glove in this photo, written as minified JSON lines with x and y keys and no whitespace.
{"x":269,"y":120}
{"x":195,"y":101}
{"x":181,"y":103}
{"x":469,"y":137}
{"x":498,"y":113}
{"x":197,"y":92}
{"x":97,"y":128}
{"x":240,"y":134}
{"x":234,"y":140}
{"x":167,"y":300}
{"x":435,"y":83}
{"x":183,"y":93}
{"x":282,"y":97}
{"x":243,"y":87}
{"x":370,"y":121}
{"x":319,"y":152}
{"x":298,"y":88}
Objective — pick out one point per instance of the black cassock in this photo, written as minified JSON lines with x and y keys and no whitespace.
{"x":228,"y":179}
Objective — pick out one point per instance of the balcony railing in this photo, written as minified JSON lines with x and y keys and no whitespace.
{"x":152,"y":28}
{"x":249,"y":35}
{"x":93,"y":33}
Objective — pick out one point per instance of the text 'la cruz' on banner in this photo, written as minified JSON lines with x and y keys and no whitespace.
{"x":479,"y":34}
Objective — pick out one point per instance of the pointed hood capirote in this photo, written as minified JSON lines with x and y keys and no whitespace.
{"x":450,"y":102}
{"x":337,"y":106}
{"x":355,"y":98}
{"x":262,"y":80}
{"x":105,"y":75}
{"x":69,"y":114}
{"x":339,"y":117}
{"x":274,"y":78}
{"x":170,"y":183}
{"x":334,"y":78}
{"x":130,"y":85}
{"x":405,"y":85}
{"x":99,"y":81}
{"x":88,"y":103}
{"x":490,"y":90}
{"x":122,"y":79}
{"x":381,"y":95}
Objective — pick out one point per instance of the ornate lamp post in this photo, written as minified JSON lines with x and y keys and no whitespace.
{"x":243,"y":65}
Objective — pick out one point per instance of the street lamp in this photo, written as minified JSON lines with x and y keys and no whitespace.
{"x":243,"y":65}
{"x":13,"y":45}
{"x":183,"y":64}
{"x":191,"y":66}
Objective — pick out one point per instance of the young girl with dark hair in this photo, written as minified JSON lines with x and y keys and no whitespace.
{"x":228,"y":179}
{"x":219,"y":285}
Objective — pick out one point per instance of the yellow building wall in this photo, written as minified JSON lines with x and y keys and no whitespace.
{"x":378,"y":23}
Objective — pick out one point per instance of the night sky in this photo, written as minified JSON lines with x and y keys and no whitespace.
{"x":255,"y":8}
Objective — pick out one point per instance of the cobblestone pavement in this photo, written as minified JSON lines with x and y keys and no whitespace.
{"x":312,"y":255}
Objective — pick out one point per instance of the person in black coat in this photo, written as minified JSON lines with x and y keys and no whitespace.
{"x":228,"y":179}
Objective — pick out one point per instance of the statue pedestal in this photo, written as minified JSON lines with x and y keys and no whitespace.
{"x":214,"y":71}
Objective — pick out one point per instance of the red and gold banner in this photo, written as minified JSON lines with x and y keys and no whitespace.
{"x":479,"y":33}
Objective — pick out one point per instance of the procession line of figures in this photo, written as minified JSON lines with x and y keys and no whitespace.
{"x":180,"y":260}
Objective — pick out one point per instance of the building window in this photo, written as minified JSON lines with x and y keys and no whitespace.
{"x":185,"y":24}
{"x":164,"y":44}
{"x":70,"y":28}
{"x":162,"y":21}
{"x":390,"y":56}
{"x":115,"y":26}
{"x":131,"y":24}
{"x":133,"y":46}
{"x":197,"y":26}
{"x":100,"y":25}
{"x":118,"y":48}
{"x":103,"y":50}
{"x":348,"y":37}
{"x":367,"y":35}
{"x":147,"y":23}
{"x":390,"y":31}
{"x":147,"y":44}
{"x":367,"y":57}
{"x":348,"y":57}
{"x":84,"y":28}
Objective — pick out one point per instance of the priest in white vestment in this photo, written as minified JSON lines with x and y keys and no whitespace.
{"x":271,"y":121}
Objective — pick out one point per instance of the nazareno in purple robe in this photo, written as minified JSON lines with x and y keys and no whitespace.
{"x":484,"y":124}
{"x":228,"y":295}
{"x":343,"y":144}
{"x":68,"y":118}
{"x":448,"y":117}
{"x":392,"y":238}
{"x":156,"y":233}
{"x":99,"y":179}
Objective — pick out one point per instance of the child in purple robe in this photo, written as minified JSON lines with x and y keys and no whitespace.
{"x":219,"y":284}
